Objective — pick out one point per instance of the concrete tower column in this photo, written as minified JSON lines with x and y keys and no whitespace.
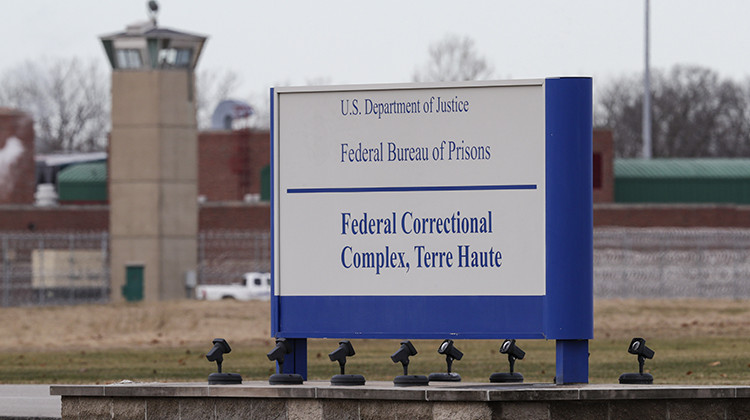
{"x":152,"y":161}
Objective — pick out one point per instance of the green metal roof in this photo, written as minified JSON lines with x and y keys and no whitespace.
{"x":83,"y":182}
{"x":84,"y":172}
{"x":682,"y":168}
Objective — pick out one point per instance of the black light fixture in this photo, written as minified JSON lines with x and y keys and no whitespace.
{"x":216,"y":354}
{"x":451,"y":353}
{"x":638,"y":346}
{"x":344,"y":350}
{"x":402,"y":355}
{"x":510,"y":348}
{"x":282,"y":348}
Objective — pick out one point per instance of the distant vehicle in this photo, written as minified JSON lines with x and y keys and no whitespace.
{"x":254,"y":286}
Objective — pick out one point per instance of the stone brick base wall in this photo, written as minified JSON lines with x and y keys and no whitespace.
{"x":319,"y":400}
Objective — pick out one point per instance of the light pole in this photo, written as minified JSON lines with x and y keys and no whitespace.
{"x":646,"y":91}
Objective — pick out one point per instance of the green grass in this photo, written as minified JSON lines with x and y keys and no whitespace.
{"x":677,"y":361}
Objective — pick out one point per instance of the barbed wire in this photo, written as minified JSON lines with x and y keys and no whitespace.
{"x":671,"y":263}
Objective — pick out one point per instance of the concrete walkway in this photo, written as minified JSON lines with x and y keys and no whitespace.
{"x":28,"y":402}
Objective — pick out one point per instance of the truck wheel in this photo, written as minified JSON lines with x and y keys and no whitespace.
{"x":227,"y":297}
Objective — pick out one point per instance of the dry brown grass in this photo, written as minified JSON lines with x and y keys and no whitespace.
{"x":672,"y":318}
{"x":141,"y":325}
{"x":192,"y":323}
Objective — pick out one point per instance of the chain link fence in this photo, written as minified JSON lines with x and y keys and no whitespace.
{"x":223,"y":256}
{"x":72,"y":268}
{"x":53,"y":268}
{"x":671,"y":263}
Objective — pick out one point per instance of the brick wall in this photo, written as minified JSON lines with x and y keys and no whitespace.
{"x":604,"y":177}
{"x":260,"y":157}
{"x":229,"y":163}
{"x":54,"y":219}
{"x":237,"y":215}
{"x":627,"y":215}
{"x":212,"y":216}
{"x":17,"y":167}
{"x":244,"y":216}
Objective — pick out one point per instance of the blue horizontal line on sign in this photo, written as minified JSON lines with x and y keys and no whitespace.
{"x":411,"y":189}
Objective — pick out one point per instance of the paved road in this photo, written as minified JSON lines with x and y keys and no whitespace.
{"x":28,"y":401}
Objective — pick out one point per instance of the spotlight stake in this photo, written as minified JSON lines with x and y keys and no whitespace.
{"x":282,"y":347}
{"x":402,"y":355}
{"x":451,"y":353}
{"x":514,"y":352}
{"x":638,"y":347}
{"x":216,"y":354}
{"x":344,"y":350}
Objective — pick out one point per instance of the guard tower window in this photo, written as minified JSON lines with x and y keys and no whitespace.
{"x":129,"y":59}
{"x":175,"y":57}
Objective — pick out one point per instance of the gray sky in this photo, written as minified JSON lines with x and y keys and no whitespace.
{"x":292,"y":42}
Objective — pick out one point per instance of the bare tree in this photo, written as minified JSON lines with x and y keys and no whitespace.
{"x":213,"y":86}
{"x":453,"y":59}
{"x":694,"y":114}
{"x":68,"y":98}
{"x":619,"y":109}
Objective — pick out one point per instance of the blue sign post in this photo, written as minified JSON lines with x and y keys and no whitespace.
{"x":433,"y":211}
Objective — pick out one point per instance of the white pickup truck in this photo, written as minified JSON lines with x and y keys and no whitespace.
{"x":254,"y":286}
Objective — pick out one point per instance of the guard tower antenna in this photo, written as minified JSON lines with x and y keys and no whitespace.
{"x":153,"y":10}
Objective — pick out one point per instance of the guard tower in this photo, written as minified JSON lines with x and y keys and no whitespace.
{"x":152,"y":160}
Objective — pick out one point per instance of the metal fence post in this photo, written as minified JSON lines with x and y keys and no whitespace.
{"x":72,"y":265}
{"x":6,"y":270}
{"x":42,"y":272}
{"x":106,"y":280}
{"x":201,"y":256}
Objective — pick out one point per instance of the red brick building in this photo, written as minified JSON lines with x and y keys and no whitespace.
{"x":234,"y":164}
{"x":17,"y":169}
{"x":231,"y":163}
{"x":603,"y":167}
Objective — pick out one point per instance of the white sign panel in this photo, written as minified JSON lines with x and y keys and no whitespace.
{"x":410,"y":190}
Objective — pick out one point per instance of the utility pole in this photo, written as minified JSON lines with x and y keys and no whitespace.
{"x":646,"y":91}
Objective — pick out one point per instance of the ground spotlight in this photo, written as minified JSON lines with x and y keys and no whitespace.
{"x":402,"y":355}
{"x":216,"y":354}
{"x":282,"y":348}
{"x":344,"y":350}
{"x":638,"y":347}
{"x":451,"y":353}
{"x":514,"y":352}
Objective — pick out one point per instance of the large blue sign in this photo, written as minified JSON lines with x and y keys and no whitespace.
{"x":459,"y":210}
